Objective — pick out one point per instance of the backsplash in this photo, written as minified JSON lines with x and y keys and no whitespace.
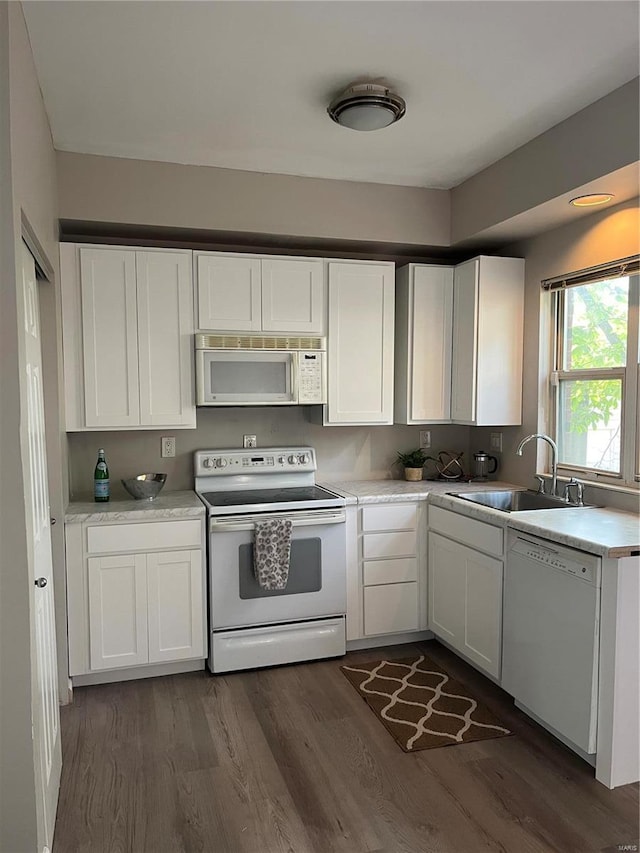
{"x":344,"y":453}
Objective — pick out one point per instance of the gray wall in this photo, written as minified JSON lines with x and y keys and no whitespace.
{"x":344,"y":453}
{"x":600,"y":139}
{"x":27,"y":200}
{"x":614,"y":233}
{"x":138,"y":192}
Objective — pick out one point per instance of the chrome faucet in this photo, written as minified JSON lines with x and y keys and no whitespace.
{"x":554,"y":457}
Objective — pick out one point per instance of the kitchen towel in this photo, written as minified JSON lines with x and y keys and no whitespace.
{"x":271,"y":552}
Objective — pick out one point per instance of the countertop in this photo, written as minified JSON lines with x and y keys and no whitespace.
{"x":167,"y":505}
{"x":598,"y":530}
{"x":393,"y":491}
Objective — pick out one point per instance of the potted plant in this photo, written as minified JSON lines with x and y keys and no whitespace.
{"x":412,"y":461}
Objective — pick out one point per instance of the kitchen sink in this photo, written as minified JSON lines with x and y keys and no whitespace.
{"x":514,"y":500}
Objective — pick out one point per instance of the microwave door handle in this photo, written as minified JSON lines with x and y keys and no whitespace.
{"x":294,"y":366}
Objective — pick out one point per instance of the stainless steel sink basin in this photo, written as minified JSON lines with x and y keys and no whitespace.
{"x":512,"y":500}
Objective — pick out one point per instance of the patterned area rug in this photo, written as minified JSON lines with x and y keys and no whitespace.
{"x":420,"y":705}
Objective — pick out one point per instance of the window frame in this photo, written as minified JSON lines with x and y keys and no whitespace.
{"x":629,"y":375}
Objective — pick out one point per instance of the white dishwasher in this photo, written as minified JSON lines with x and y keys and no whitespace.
{"x":551,"y":637}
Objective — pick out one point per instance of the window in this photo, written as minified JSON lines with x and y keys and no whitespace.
{"x":594,"y":383}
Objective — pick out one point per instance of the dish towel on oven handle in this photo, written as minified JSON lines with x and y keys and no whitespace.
{"x":271,"y":553}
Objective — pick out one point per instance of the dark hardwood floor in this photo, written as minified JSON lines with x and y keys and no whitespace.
{"x":291,"y":759}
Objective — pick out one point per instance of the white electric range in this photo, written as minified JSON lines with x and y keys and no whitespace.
{"x":251,"y":627}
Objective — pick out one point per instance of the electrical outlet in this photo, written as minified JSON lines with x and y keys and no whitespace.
{"x":167,"y":446}
{"x":496,"y":441}
{"x":425,"y":439}
{"x":249,"y":441}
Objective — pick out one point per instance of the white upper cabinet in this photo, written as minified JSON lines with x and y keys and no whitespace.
{"x":228,"y":293}
{"x":247,"y":293}
{"x":360,"y":343}
{"x":127,"y":337}
{"x":424,"y":306}
{"x":109,"y":335}
{"x":488,"y":313}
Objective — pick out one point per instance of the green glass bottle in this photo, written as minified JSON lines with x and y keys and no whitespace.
{"x":101,"y":479}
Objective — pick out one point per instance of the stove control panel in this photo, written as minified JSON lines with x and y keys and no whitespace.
{"x":210,"y":463}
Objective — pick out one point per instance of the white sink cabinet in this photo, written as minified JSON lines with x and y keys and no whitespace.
{"x":135,"y":595}
{"x":466,"y":568}
{"x":127,"y":317}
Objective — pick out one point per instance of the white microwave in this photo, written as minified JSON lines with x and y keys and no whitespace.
{"x":258,"y":370}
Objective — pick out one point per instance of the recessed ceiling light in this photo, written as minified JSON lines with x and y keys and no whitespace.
{"x":591,"y":200}
{"x":367,"y":106}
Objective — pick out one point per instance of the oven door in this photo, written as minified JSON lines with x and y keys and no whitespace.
{"x":246,"y":377}
{"x":317,"y":571}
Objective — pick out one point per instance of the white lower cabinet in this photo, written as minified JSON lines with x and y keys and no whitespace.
{"x":141,"y":607}
{"x":465,"y":595}
{"x":391,"y":570}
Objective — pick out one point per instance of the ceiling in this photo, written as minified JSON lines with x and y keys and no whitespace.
{"x":245,"y":85}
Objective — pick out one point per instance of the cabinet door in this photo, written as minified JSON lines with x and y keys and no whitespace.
{"x":390,"y":609}
{"x":293,"y":296}
{"x":483,"y":610}
{"x":446,"y":589}
{"x":430,"y":359}
{"x":109,"y":337}
{"x":175,"y":605}
{"x":464,"y":365}
{"x":360,"y":344}
{"x":165,"y":328}
{"x":228,"y":293}
{"x":117,"y":611}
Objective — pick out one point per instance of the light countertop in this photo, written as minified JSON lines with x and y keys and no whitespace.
{"x":184,"y":504}
{"x":598,"y":530}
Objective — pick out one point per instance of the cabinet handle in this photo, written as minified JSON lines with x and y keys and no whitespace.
{"x":53,"y":521}
{"x":41,"y":582}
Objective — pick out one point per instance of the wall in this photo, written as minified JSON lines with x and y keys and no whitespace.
{"x":600,"y":139}
{"x":606,"y":236}
{"x":137,"y":192}
{"x":344,"y":453}
{"x":27,"y":200}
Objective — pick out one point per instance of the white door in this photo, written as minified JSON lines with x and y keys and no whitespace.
{"x":482,"y":642}
{"x":110,"y":337}
{"x":46,"y":717}
{"x":228,"y":293}
{"x":430,"y":364}
{"x":446,"y":589}
{"x":165,"y":329}
{"x":175,"y":605}
{"x":465,"y":349}
{"x":360,"y":344}
{"x":117,"y":611}
{"x":293,"y":296}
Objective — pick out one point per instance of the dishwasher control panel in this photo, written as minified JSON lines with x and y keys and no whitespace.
{"x":584,"y":566}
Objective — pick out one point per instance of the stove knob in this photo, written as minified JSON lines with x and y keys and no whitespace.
{"x":304,"y":458}
{"x":221,"y":463}
{"x":293,"y":460}
{"x":282,"y":459}
{"x":207,"y":463}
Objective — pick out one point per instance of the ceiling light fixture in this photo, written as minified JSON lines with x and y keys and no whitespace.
{"x":591,"y":200}
{"x":367,"y":106}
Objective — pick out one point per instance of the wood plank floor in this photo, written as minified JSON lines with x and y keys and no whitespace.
{"x":291,"y":759}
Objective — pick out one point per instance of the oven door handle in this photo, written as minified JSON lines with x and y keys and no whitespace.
{"x":303,"y":519}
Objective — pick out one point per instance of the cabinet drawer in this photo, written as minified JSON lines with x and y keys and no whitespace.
{"x":376,"y":572}
{"x":376,"y":545}
{"x":390,"y":609}
{"x":146,"y":536}
{"x":477,"y":534}
{"x":390,"y":517}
